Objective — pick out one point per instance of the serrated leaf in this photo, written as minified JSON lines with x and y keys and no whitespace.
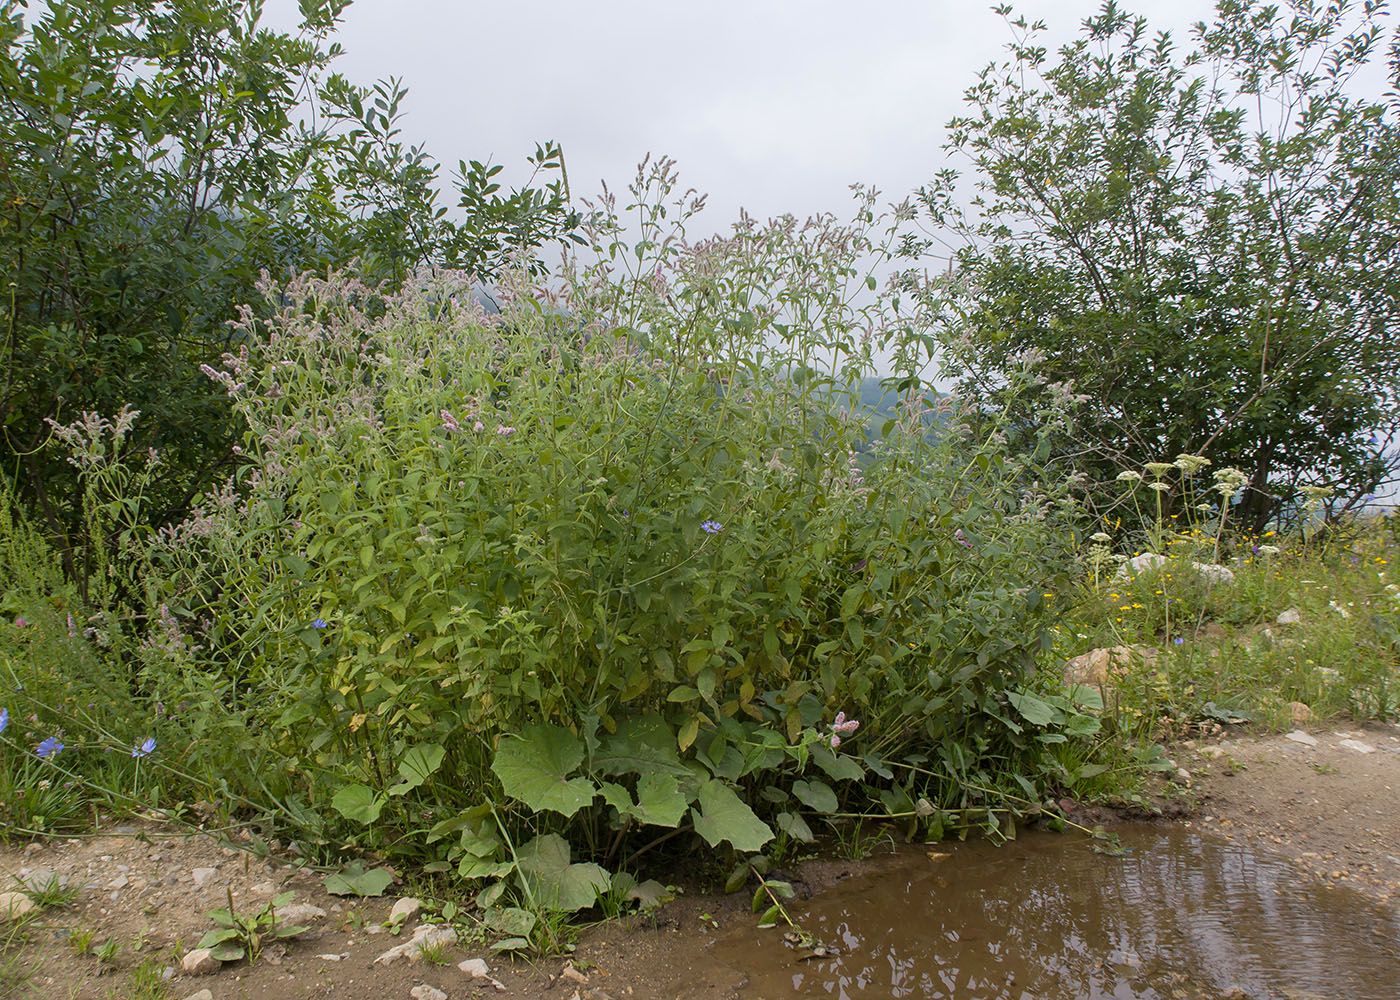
{"x":359,"y":803}
{"x":544,"y":865}
{"x":660,"y":800}
{"x":354,"y":880}
{"x":722,"y":816}
{"x":815,"y":795}
{"x":640,"y":746}
{"x":534,"y":768}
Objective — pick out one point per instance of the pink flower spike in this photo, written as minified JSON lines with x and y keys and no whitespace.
{"x":835,"y":741}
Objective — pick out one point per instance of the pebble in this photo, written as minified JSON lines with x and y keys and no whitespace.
{"x":201,"y":995}
{"x":426,"y":992}
{"x":1357,"y":745}
{"x":203,"y":875}
{"x":14,"y":905}
{"x":299,"y":913}
{"x":334,"y":958}
{"x":200,"y":963}
{"x":405,"y":909}
{"x":1298,"y":736}
{"x":426,"y":935}
{"x":1290,"y":617}
{"x":475,"y":967}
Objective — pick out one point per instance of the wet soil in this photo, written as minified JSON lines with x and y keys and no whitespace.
{"x":1295,"y":840}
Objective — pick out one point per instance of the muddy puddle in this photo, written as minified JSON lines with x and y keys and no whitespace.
{"x":1175,"y":917}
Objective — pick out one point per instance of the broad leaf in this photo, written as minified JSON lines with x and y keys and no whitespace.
{"x":544,"y":866}
{"x":355,"y":881}
{"x":723,"y":816}
{"x":535,"y":769}
{"x":838,"y":767}
{"x":815,"y":795}
{"x":359,"y":803}
{"x":1032,"y":709}
{"x":420,"y":762}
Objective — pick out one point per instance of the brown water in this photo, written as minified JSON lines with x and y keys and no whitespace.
{"x":1047,"y":918}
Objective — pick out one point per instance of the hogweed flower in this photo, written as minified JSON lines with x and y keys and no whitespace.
{"x":51,"y":747}
{"x":711,"y":527}
{"x":1228,"y":481}
{"x":1159,"y":469}
{"x":145,"y":748}
{"x":1129,"y":476}
{"x":1190,"y":464}
{"x":1160,"y":487}
{"x":1102,"y":537}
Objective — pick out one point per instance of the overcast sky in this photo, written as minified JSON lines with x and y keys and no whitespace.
{"x":773,"y":105}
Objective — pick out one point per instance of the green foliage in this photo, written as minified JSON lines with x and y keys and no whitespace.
{"x":1192,"y":250}
{"x":237,"y":936}
{"x":160,"y":157}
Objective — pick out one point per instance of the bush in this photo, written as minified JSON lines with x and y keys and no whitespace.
{"x":617,"y":560}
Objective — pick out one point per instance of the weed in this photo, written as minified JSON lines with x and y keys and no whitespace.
{"x":436,"y":952}
{"x":53,"y":893}
{"x":145,"y":982}
{"x":854,"y":843}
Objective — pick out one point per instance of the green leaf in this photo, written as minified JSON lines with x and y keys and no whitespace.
{"x":1032,"y":709}
{"x":544,"y":866}
{"x":228,"y":951}
{"x":511,"y":944}
{"x":722,"y":816}
{"x":535,"y":768}
{"x":838,"y":767}
{"x":660,"y":800}
{"x":416,"y":766}
{"x":795,"y":827}
{"x":217,"y":936}
{"x":359,"y":803}
{"x":510,"y":920}
{"x":354,"y":880}
{"x":815,"y":795}
{"x":640,"y":746}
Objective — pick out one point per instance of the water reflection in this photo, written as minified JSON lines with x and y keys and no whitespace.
{"x":1177,"y":917}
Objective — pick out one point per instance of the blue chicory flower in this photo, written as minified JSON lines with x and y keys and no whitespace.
{"x":319,"y":623}
{"x":711,"y":527}
{"x":4,"y":718}
{"x":144,"y":748}
{"x":51,"y":747}
{"x":1178,"y":641}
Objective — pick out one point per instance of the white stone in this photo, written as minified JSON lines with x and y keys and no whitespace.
{"x":299,"y":913}
{"x":1357,"y":745}
{"x":14,"y":905}
{"x":426,"y":992}
{"x":200,"y":963}
{"x":1298,"y":736}
{"x":1210,"y":572}
{"x":201,"y":995}
{"x":203,"y":875}
{"x":405,"y":909}
{"x":1290,"y":617}
{"x":425,"y":936}
{"x":475,"y":967}
{"x":263,"y":889}
{"x":334,"y":958}
{"x":120,"y":882}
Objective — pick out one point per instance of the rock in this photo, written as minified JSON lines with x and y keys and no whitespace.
{"x":475,"y":967}
{"x":1210,"y":572}
{"x":263,"y":889}
{"x":1183,"y":776}
{"x":1298,"y":736}
{"x":120,"y":882}
{"x":201,"y":995}
{"x":203,"y":875}
{"x":426,"y":992}
{"x":573,"y":975}
{"x":405,"y":909}
{"x":334,"y":958}
{"x":1299,"y":712}
{"x":14,"y":905}
{"x":299,"y":913}
{"x":1096,"y":667}
{"x":1357,"y":745}
{"x":200,"y":963}
{"x":1290,"y":617}
{"x":424,"y":936}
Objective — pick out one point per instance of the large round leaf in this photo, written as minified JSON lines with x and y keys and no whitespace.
{"x":535,"y":767}
{"x":722,"y":815}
